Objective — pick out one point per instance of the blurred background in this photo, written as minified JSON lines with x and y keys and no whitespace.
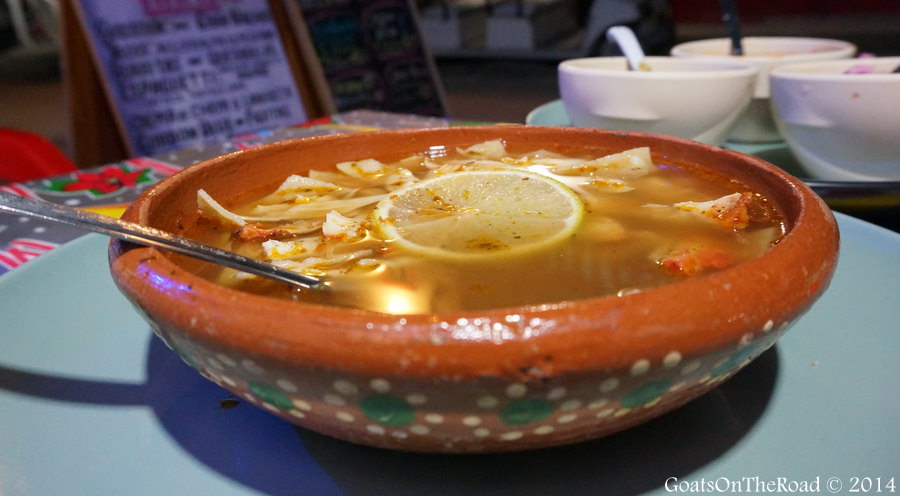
{"x":496,"y":58}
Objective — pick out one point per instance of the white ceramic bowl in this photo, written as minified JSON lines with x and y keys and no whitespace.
{"x":841,"y":126}
{"x":699,"y":100}
{"x":764,"y":53}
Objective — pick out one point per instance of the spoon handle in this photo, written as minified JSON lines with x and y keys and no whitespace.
{"x":148,"y":236}
{"x":733,"y":23}
{"x":629,"y":45}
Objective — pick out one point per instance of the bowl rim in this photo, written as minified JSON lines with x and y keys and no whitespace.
{"x":578,"y":334}
{"x":838,"y":47}
{"x":617,"y":66}
{"x":800,"y":71}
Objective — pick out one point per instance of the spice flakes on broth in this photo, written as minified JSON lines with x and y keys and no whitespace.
{"x":478,"y":227}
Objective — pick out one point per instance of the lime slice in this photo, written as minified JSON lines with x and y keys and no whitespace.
{"x":477,"y":214}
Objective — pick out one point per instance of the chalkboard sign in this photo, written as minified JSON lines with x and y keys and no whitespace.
{"x":186,"y":72}
{"x":371,"y":54}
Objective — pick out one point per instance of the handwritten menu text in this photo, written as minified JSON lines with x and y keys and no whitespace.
{"x":373,"y":55}
{"x":187,"y":72}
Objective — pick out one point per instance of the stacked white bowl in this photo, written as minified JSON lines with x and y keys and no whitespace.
{"x":841,"y":118}
{"x":764,"y":53}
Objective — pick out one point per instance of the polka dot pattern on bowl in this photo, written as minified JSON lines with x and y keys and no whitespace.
{"x":464,"y":416}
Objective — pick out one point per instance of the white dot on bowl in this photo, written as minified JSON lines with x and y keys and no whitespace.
{"x":746,"y":339}
{"x":516,"y":390}
{"x":251,"y":366}
{"x":609,"y":384}
{"x":556,"y":393}
{"x":227,"y":360}
{"x":544,"y":430}
{"x":511,"y":435}
{"x":672,"y":359}
{"x":416,"y":399}
{"x":769,"y":325}
{"x":302,"y":405}
{"x":621,"y":411}
{"x":270,"y":407}
{"x":215,"y":364}
{"x":419,"y":429}
{"x":570,"y":405}
{"x":344,"y":417}
{"x":400,"y":434}
{"x":286,"y":385}
{"x":346,"y":388}
{"x":565,"y":419}
{"x":380,"y":385}
{"x":434,"y":418}
{"x":471,"y":421}
{"x":640,"y":367}
{"x":606,"y":412}
{"x":481,"y":432}
{"x":228,"y":380}
{"x":487,"y":402}
{"x":297,"y":413}
{"x":690,"y":367}
{"x":335,"y":400}
{"x":375,"y":429}
{"x":598,"y":403}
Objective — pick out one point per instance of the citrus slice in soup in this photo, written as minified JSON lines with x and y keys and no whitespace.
{"x":477,"y":214}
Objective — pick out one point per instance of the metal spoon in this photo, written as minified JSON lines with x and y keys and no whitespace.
{"x":149,"y":236}
{"x":628,"y":43}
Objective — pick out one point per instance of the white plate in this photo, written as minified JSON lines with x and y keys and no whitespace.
{"x":91,"y":403}
{"x":554,"y":114}
{"x":549,"y":114}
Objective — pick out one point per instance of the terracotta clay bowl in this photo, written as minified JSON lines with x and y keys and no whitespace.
{"x":482,"y":381}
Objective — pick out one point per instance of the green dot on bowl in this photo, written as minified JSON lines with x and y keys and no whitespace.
{"x":733,"y":361}
{"x":185,"y":357}
{"x":387,"y":410}
{"x":525,"y":411}
{"x":270,"y":395}
{"x":646,"y":393}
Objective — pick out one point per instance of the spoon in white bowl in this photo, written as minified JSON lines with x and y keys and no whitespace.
{"x":148,"y":236}
{"x":733,"y":23}
{"x":628,"y":43}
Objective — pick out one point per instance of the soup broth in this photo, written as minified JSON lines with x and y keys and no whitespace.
{"x":644,"y":224}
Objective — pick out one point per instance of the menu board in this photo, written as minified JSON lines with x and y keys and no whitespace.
{"x":189,"y":72}
{"x":372,"y":55}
